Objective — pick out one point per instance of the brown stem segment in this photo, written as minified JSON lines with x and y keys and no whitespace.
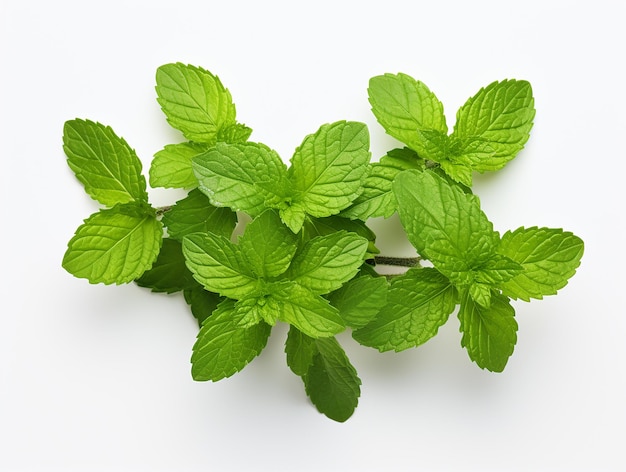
{"x":160,"y":211}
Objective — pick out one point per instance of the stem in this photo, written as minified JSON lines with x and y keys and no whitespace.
{"x":397,"y":261}
{"x":161,"y":210}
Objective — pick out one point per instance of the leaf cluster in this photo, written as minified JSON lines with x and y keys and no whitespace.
{"x":307,"y":257}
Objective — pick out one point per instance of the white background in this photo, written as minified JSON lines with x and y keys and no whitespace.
{"x":97,"y":378}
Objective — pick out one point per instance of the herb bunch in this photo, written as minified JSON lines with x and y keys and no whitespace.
{"x":307,"y":257}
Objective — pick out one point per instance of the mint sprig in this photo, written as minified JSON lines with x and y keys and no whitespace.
{"x":306,"y":256}
{"x":447,"y":226}
{"x":491,"y":127}
{"x":196,"y":103}
{"x":326,"y":175}
{"x":119,"y":243}
{"x":272,"y":278}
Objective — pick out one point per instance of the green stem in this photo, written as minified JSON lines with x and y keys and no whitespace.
{"x":397,"y":261}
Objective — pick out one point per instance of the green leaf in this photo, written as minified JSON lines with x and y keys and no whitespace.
{"x":489,"y":334}
{"x":548,"y":256}
{"x":234,"y":134}
{"x":293,"y":215}
{"x":234,"y":175}
{"x":497,"y":269}
{"x":360,"y":300}
{"x":194,"y":101}
{"x":168,"y":273}
{"x":377,"y":198}
{"x":171,"y":166}
{"x":300,"y":350}
{"x":436,"y":146}
{"x":223,"y":348}
{"x":331,"y":224}
{"x":403,"y":105}
{"x":201,"y":302}
{"x":325,"y":263}
{"x":268,"y":245}
{"x":332,"y":382}
{"x":444,"y":224}
{"x":116,"y":245}
{"x":500,"y":115}
{"x":459,"y":172}
{"x":251,"y":310}
{"x":465,"y":155}
{"x":418,"y":303}
{"x":481,"y":294}
{"x":328,"y":168}
{"x":289,"y":302}
{"x":194,"y":214}
{"x":309,"y":313}
{"x":439,"y":172}
{"x":218,"y":265}
{"x":104,"y":163}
